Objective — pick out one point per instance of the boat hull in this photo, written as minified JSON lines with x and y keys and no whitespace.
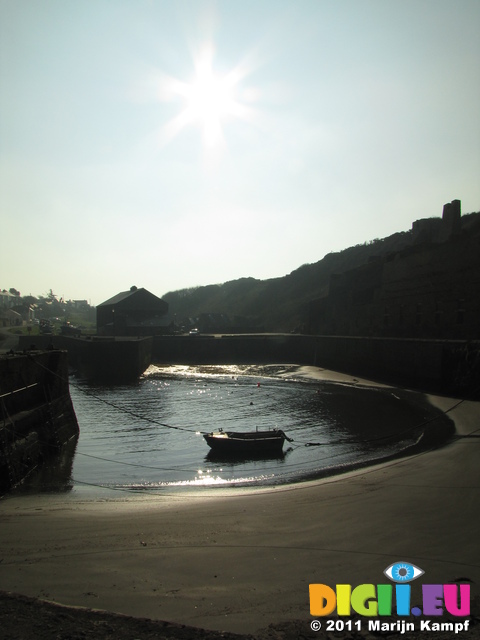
{"x":256,"y":444}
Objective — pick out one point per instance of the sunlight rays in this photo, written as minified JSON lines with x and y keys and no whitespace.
{"x":209,"y":101}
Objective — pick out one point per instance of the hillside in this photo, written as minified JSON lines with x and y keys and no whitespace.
{"x":277,"y":304}
{"x":280,"y":304}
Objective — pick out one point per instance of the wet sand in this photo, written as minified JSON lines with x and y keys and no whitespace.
{"x":240,"y":560}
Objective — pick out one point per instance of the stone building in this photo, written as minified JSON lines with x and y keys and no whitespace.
{"x":429,"y":290}
{"x":136,"y":312}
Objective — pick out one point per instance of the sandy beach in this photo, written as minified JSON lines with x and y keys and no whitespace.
{"x":240,"y":560}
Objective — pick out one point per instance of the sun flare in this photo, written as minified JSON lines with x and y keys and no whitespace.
{"x":209,"y":100}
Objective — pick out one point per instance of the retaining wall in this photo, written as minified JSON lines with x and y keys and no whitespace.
{"x":106,"y":359}
{"x":37,"y":415}
{"x":447,"y":366}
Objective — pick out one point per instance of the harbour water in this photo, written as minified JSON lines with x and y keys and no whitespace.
{"x":147,"y":437}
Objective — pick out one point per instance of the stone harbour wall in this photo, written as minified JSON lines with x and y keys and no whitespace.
{"x":37,"y":416}
{"x":447,"y":366}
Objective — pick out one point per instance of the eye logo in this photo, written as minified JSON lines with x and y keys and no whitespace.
{"x":403,"y":572}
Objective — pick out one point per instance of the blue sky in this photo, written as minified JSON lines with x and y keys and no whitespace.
{"x":170,"y":144}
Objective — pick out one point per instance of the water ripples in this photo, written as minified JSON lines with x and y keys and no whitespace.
{"x":164,"y":448}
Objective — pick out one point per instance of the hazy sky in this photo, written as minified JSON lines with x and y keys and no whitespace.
{"x":169,"y":144}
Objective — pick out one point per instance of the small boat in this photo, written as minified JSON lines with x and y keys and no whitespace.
{"x":241,"y":443}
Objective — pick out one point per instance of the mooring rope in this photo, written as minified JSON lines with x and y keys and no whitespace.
{"x":292,"y":440}
{"x":116,"y":406}
{"x":8,"y":428}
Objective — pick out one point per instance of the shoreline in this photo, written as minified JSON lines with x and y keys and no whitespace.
{"x":430,"y":438}
{"x":242,"y":561}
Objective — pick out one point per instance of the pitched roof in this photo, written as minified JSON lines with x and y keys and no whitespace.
{"x":119,"y":297}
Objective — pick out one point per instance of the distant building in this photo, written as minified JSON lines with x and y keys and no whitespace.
{"x":7,"y":300}
{"x":437,"y":230}
{"x":78,"y":304}
{"x":428,"y":290}
{"x":10,"y":318}
{"x":133,"y":313}
{"x":213,"y":322}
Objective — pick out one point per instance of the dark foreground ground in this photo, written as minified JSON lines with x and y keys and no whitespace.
{"x":23,"y":618}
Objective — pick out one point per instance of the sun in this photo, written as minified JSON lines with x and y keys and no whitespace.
{"x":208,"y":101}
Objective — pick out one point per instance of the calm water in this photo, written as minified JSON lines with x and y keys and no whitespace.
{"x":147,"y":436}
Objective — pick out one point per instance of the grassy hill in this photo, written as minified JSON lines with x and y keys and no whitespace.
{"x":280,"y":304}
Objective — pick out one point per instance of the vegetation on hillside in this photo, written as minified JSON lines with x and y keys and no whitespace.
{"x":277,"y":304}
{"x":280,"y":304}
